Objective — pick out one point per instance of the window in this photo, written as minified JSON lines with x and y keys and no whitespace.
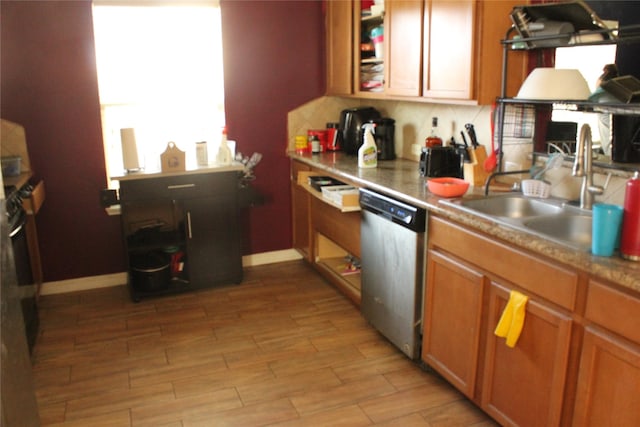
{"x":160,"y":72}
{"x":590,"y":60}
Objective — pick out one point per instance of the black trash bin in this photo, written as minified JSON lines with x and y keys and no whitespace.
{"x":150,"y":272}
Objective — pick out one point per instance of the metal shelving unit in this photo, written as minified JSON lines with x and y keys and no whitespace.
{"x":512,"y":42}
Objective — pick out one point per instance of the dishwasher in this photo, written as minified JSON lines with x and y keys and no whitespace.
{"x":392,"y":256}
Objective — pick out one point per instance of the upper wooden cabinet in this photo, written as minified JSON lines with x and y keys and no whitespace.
{"x":403,"y":41}
{"x":491,"y":25}
{"x":339,"y":33}
{"x":448,"y":48}
{"x":434,"y":50}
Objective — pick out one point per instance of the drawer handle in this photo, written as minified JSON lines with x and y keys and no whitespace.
{"x":189,"y":225}
{"x":179,"y":186}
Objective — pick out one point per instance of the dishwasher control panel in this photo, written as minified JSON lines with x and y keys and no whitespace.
{"x":399,"y":212}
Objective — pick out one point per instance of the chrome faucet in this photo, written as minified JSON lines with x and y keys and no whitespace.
{"x":582,"y":167}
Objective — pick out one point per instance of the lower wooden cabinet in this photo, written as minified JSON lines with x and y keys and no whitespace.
{"x":525,"y":385}
{"x":608,"y":391}
{"x":577,"y":359}
{"x":300,"y":220}
{"x":328,"y":237}
{"x":452,"y":316}
{"x":465,"y":295}
{"x":300,"y":208}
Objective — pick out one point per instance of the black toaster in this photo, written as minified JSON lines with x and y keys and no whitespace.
{"x":438,"y":162}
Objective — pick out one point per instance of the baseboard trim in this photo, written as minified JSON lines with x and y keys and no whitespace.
{"x":83,"y":283}
{"x":270,"y":257}
{"x":117,"y":279}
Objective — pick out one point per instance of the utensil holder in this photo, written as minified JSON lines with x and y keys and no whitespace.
{"x":474,"y":172}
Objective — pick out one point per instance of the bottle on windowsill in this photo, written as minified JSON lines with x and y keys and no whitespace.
{"x":224,"y":152}
{"x":433,"y":140}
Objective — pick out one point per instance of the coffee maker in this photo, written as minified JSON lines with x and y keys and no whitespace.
{"x":351,"y":131}
{"x":384,"y":134}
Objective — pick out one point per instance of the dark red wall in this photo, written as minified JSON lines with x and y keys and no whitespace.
{"x":273,"y":54}
{"x":273,"y":62}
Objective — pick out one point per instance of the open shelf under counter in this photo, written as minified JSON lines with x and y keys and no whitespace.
{"x":333,"y":260}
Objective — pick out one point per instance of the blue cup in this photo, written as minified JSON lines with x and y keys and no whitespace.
{"x":605,"y":228}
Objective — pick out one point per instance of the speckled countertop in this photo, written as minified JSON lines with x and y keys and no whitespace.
{"x":400,"y":179}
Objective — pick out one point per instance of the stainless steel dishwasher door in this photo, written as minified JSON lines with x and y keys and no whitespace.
{"x":392,"y":270}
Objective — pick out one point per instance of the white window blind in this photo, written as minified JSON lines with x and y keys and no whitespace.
{"x":160,"y":72}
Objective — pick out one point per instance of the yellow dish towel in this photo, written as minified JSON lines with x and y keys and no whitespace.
{"x":512,"y":319}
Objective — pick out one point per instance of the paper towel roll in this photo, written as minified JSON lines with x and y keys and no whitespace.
{"x":129,"y":149}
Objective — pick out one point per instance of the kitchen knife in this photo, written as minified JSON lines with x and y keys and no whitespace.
{"x":472,"y":135}
{"x":464,"y":139}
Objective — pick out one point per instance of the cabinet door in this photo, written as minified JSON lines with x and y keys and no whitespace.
{"x":492,"y":22}
{"x":403,"y":44}
{"x":213,"y":240}
{"x":300,"y":212}
{"x":339,"y":28}
{"x":368,"y":74}
{"x":608,"y":391}
{"x":300,"y":218}
{"x":452,"y":313}
{"x":525,"y":385}
{"x":448,"y":49}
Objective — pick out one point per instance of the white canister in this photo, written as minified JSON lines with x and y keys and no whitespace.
{"x":202,"y":156}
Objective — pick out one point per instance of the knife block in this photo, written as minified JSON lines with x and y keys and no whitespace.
{"x":474,"y":172}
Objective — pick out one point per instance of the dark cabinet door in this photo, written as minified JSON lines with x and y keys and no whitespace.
{"x":195,"y":213}
{"x":213,"y":240}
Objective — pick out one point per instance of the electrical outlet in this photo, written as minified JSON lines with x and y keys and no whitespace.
{"x":416,"y":149}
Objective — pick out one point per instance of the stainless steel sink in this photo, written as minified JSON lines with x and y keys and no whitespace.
{"x":550,"y":219}
{"x":512,"y":206}
{"x":575,"y":229}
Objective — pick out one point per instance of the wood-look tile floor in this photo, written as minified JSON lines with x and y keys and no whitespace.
{"x":284,"y":348}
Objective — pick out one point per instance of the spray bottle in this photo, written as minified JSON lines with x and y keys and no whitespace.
{"x":224,"y":152}
{"x":368,"y":152}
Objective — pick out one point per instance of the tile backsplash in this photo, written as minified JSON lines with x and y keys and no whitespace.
{"x":413,"y":125}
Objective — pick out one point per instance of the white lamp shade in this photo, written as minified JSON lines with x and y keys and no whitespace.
{"x":555,"y":84}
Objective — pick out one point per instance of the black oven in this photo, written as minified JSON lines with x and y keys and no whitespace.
{"x":26,"y":289}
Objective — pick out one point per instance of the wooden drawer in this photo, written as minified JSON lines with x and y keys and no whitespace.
{"x":179,"y":187}
{"x":613,"y":309}
{"x":341,"y":227}
{"x":551,"y":281}
{"x":33,"y":203}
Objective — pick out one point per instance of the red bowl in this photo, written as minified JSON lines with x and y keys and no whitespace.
{"x":447,"y":187}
